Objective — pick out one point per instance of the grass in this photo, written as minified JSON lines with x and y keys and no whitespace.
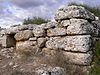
{"x":25,"y":53}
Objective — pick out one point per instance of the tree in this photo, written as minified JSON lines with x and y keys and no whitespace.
{"x":35,"y":20}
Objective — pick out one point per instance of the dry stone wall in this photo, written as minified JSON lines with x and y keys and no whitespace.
{"x":72,"y":33}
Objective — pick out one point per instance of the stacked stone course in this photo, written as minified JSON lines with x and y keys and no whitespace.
{"x":72,"y":33}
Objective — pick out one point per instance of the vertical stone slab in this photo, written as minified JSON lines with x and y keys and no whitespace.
{"x":8,"y":41}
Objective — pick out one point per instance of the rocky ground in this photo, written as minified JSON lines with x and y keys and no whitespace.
{"x":14,"y":63}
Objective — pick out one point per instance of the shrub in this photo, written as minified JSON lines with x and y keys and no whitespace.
{"x":35,"y":20}
{"x":95,"y":10}
{"x":95,"y":70}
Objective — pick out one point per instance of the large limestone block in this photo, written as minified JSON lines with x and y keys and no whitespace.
{"x":49,"y":25}
{"x":12,"y":30}
{"x":80,"y":26}
{"x":23,"y":35}
{"x":31,"y":26}
{"x":73,"y":12}
{"x":80,"y":43}
{"x":38,"y":31}
{"x":23,"y":27}
{"x":79,"y":58}
{"x":24,"y":45}
{"x":41,"y":42}
{"x":8,"y":41}
{"x":56,"y":32}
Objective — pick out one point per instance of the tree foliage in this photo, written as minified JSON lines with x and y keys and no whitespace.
{"x":35,"y":20}
{"x":95,"y":10}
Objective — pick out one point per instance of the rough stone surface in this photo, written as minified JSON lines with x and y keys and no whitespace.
{"x":96,"y":25}
{"x":11,"y":30}
{"x":58,"y":71}
{"x":80,"y":26}
{"x":33,"y":39}
{"x":38,"y":31}
{"x":65,"y":23}
{"x":48,"y":51}
{"x":73,"y":12}
{"x":23,"y":35}
{"x":79,"y":58}
{"x":8,"y":41}
{"x":71,"y":43}
{"x":41,"y":42}
{"x":31,"y":26}
{"x":7,"y":52}
{"x":54,"y":71}
{"x":49,"y":25}
{"x":23,"y":27}
{"x":23,"y":45}
{"x":56,"y":32}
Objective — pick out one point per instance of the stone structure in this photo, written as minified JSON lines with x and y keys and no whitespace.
{"x":72,"y":33}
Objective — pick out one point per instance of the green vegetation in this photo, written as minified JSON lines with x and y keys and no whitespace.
{"x":95,"y":70}
{"x":35,"y":20}
{"x":25,"y":53}
{"x":15,"y":25}
{"x":95,"y":10}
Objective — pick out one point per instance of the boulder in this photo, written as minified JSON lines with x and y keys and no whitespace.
{"x":56,"y":32}
{"x":25,"y":45}
{"x":73,"y":12}
{"x":41,"y":42}
{"x":54,"y":71}
{"x":80,"y":43}
{"x":80,"y":26}
{"x":79,"y":58}
{"x":3,"y":32}
{"x":49,"y":25}
{"x":32,"y":26}
{"x":38,"y":31}
{"x":23,"y":35}
{"x":58,"y":71}
{"x":8,"y":41}
{"x":12,"y":30}
{"x":23,"y":27}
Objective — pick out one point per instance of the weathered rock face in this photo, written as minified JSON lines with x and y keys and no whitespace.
{"x":12,"y":30}
{"x":54,"y":71}
{"x":71,"y":43}
{"x":56,"y":32}
{"x":25,"y":45}
{"x":23,"y":35}
{"x":80,"y":26}
{"x":41,"y":42}
{"x":73,"y":12}
{"x":23,"y":27}
{"x":73,"y":33}
{"x":8,"y":41}
{"x":38,"y":31}
{"x":49,"y":25}
{"x":79,"y":58}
